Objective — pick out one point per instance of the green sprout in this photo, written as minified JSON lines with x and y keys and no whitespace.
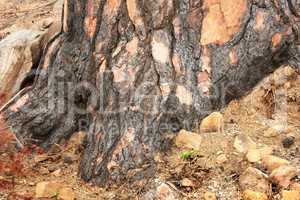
{"x":185,"y":155}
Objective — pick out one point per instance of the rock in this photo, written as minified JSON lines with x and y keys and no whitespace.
{"x":288,"y":142}
{"x":295,"y":186}
{"x":255,"y":180}
{"x":210,"y":196}
{"x":271,"y":132}
{"x":189,"y":140}
{"x":44,"y":171}
{"x":47,"y":189}
{"x":41,"y":158}
{"x":187,"y":183}
{"x":243,"y":143}
{"x":221,"y":159}
{"x":213,"y":123}
{"x":57,"y":173}
{"x":272,"y":162}
{"x":47,"y":23}
{"x":255,"y":155}
{"x":69,"y":158}
{"x":290,"y":195}
{"x":283,"y":175}
{"x":252,"y":195}
{"x":19,"y":51}
{"x":66,"y":194}
{"x":53,"y":189}
{"x":53,"y":167}
{"x":31,"y":184}
{"x":161,"y":191}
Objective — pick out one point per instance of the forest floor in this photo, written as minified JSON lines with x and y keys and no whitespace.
{"x":273,"y":105}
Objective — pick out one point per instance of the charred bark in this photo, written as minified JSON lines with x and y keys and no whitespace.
{"x":133,"y":71}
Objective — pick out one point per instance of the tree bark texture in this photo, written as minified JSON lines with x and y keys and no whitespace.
{"x":135,"y":71}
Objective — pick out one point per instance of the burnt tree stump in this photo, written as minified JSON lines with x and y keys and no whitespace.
{"x":134,"y":71}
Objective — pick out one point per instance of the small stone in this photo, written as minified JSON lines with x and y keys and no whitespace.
{"x":31,"y":184}
{"x":66,"y":194}
{"x":213,"y":123}
{"x":272,"y":162}
{"x":47,"y":189}
{"x":255,"y":155}
{"x":164,"y":191}
{"x":252,"y":195}
{"x":222,"y":159}
{"x":290,"y":195}
{"x":283,"y":175}
{"x":210,"y":196}
{"x":53,"y":167}
{"x":254,"y":179}
{"x":68,"y":158}
{"x":243,"y":143}
{"x":47,"y":23}
{"x":44,"y":171}
{"x":288,"y":142}
{"x":188,"y":140}
{"x":295,"y":186}
{"x":57,"y":173}
{"x":41,"y":158}
{"x":271,"y":132}
{"x":187,"y":183}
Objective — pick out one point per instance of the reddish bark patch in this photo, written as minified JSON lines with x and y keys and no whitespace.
{"x":260,"y":20}
{"x":204,"y":82}
{"x":176,"y":60}
{"x":21,"y":102}
{"x":3,"y":98}
{"x":233,"y":57}
{"x":6,"y":134}
{"x":276,"y":39}
{"x":90,"y":20}
{"x":222,"y":21}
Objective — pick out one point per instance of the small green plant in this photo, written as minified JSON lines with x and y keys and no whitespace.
{"x":185,"y":155}
{"x":55,"y":196}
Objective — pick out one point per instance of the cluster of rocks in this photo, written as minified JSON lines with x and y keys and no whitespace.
{"x":268,"y":170}
{"x":257,"y":184}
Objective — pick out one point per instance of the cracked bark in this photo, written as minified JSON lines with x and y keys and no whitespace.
{"x":135,"y":71}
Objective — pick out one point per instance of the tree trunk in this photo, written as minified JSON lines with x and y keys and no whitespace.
{"x":133,"y":72}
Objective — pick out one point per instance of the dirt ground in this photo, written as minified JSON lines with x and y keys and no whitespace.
{"x":274,"y":103}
